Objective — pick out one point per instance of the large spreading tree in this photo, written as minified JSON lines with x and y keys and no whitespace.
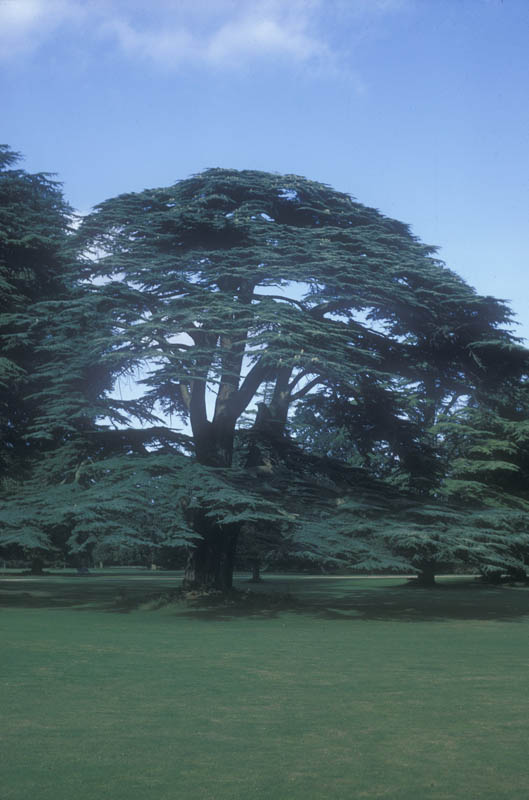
{"x":239,"y":296}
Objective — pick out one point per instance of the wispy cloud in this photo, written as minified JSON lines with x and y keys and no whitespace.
{"x":246,"y":31}
{"x":26,"y":24}
{"x":213,"y":33}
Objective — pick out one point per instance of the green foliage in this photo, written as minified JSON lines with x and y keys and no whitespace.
{"x":240,"y":282}
{"x":376,"y":424}
{"x":484,"y":458}
{"x":348,"y":519}
{"x":254,"y":306}
{"x":116,"y":502}
{"x":51,"y":373}
{"x":34,"y":224}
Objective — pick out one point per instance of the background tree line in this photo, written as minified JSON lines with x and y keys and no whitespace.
{"x":342,"y":398}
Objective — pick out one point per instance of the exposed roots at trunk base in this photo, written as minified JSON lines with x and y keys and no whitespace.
{"x":425,"y":577}
{"x":234,"y":599}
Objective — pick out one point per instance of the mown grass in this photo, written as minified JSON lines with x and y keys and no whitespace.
{"x":361,"y":689}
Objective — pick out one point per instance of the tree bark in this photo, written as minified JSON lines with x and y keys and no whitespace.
{"x":270,"y":421}
{"x":37,"y":565}
{"x":210,"y":564}
{"x":426,"y":576}
{"x":214,"y":443}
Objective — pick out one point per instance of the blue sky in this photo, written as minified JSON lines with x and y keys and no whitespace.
{"x":417,"y":107}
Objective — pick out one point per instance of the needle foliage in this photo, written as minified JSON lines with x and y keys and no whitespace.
{"x":280,"y":322}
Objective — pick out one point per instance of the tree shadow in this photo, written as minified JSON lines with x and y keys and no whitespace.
{"x":325,"y":599}
{"x":409,"y":603}
{"x":405,"y":603}
{"x":78,"y":594}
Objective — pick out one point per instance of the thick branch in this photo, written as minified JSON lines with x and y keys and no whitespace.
{"x":232,"y":366}
{"x":328,"y":308}
{"x":243,"y":397}
{"x":232,"y":350}
{"x":298,"y":303}
{"x":306,"y":389}
{"x":452,"y":402}
{"x":197,"y":407}
{"x":194,"y":400}
{"x":298,"y":378}
{"x":125,"y":437}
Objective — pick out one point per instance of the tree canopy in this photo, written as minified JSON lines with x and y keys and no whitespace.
{"x":279,"y":321}
{"x":233,"y":283}
{"x":241,"y":294}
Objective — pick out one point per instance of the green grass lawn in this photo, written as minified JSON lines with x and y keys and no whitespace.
{"x":364,"y":688}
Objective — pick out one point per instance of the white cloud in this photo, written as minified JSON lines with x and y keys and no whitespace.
{"x":251,"y":35}
{"x":234,"y":32}
{"x":166,"y":47}
{"x":215,"y":33}
{"x":26,"y":24}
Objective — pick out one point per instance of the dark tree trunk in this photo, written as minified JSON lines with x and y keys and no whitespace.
{"x":256,"y":571}
{"x":270,"y":421}
{"x":37,"y":565}
{"x":214,"y":443}
{"x":210,"y":563}
{"x":426,"y":576}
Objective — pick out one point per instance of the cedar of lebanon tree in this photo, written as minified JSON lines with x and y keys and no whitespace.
{"x":239,"y":294}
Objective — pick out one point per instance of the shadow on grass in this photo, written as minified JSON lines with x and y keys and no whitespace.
{"x":327,"y":599}
{"x":79,"y":594}
{"x":398,"y":604}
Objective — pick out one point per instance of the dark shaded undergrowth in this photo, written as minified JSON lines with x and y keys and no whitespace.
{"x":325,"y":597}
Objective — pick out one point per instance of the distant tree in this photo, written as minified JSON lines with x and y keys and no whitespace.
{"x":241,"y":294}
{"x":53,"y":372}
{"x":34,"y":222}
{"x":34,"y":268}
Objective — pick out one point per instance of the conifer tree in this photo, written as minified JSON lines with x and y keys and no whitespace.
{"x":247,"y":293}
{"x":51,"y":373}
{"x":34,"y":220}
{"x":34,"y":225}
